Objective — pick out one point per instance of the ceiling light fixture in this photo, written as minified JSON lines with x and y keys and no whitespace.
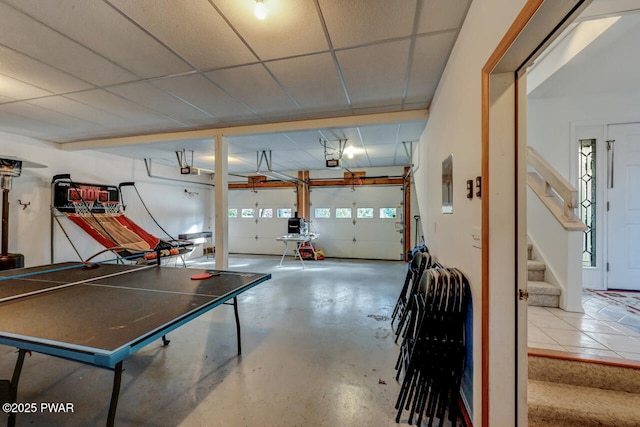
{"x":260,"y":10}
{"x":349,"y":152}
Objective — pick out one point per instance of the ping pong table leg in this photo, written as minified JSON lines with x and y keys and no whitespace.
{"x":235,"y":310}
{"x":13,"y":389}
{"x":115,"y":393}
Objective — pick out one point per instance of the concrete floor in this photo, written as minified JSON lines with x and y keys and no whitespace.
{"x":318,"y":350}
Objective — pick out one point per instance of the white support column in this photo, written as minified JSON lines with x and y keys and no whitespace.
{"x":221,"y":203}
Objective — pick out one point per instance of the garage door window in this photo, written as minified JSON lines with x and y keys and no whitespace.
{"x":233,"y":213}
{"x":388,"y":212}
{"x":247,"y":213}
{"x":266,"y":213}
{"x":365,"y":213}
{"x":343,"y":212}
{"x":323,"y":212}
{"x":284,"y":213}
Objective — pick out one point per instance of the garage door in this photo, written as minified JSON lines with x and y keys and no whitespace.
{"x":364,"y":223}
{"x":256,"y":219}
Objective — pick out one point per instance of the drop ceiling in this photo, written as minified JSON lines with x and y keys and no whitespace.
{"x":97,"y":74}
{"x":146,"y":78}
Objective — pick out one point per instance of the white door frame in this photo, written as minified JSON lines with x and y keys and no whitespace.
{"x":505,"y":402}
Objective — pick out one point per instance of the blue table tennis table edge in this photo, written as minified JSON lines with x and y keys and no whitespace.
{"x":108,"y":359}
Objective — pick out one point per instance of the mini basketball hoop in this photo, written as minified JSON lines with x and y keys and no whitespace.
{"x":83,"y":208}
{"x":111,"y":208}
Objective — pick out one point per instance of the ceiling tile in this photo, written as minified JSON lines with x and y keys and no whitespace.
{"x":411,"y":131}
{"x":44,"y":120}
{"x":198,"y":152}
{"x":379,"y":134}
{"x":387,"y":151}
{"x":258,"y":143}
{"x":162,"y":102}
{"x":334,"y":135}
{"x":79,"y":110}
{"x":24,"y":34}
{"x":205,"y":95}
{"x":15,"y":89}
{"x":312,"y":80}
{"x":193,"y":29}
{"x":101,"y":28}
{"x":255,"y":87}
{"x":133,"y":117}
{"x":308,"y":139}
{"x":291,"y":28}
{"x":375,"y":74}
{"x":26,"y":125}
{"x":28,"y":70}
{"x":438,"y":15}
{"x":358,"y":22}
{"x":281,"y":159}
{"x":430,"y":56}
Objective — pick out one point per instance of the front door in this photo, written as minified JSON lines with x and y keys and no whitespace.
{"x":623,"y":204}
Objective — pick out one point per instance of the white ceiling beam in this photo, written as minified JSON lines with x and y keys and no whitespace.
{"x":332,"y":122}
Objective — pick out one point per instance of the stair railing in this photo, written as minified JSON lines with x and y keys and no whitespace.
{"x":555,"y":192}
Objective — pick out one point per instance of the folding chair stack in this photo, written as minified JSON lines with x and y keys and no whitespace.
{"x":433,"y":350}
{"x":419,"y":262}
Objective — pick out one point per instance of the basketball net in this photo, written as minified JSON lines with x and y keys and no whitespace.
{"x":82,"y":208}
{"x":111,"y":208}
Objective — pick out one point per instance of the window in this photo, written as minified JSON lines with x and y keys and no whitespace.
{"x":247,"y":213}
{"x":323,"y":212}
{"x":343,"y":212}
{"x":587,"y":196}
{"x":233,"y":213}
{"x":365,"y":213}
{"x":266,"y":213}
{"x":284,"y":213}
{"x":388,"y":212}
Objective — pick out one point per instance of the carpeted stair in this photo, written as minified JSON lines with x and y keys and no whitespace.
{"x":582,"y":393}
{"x":541,"y":293}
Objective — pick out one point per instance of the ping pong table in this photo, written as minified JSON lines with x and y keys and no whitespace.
{"x":100,"y":314}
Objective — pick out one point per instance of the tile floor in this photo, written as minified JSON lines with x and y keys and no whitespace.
{"x":602,"y":330}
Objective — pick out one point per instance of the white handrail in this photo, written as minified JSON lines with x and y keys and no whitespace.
{"x":555,"y":192}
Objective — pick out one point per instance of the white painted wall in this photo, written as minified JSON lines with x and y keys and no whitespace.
{"x":454,"y":127}
{"x":551,"y":121}
{"x":554,"y":125}
{"x":176,"y":211}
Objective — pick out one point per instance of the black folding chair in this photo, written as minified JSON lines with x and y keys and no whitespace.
{"x":434,"y":348}
{"x":422,"y":261}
